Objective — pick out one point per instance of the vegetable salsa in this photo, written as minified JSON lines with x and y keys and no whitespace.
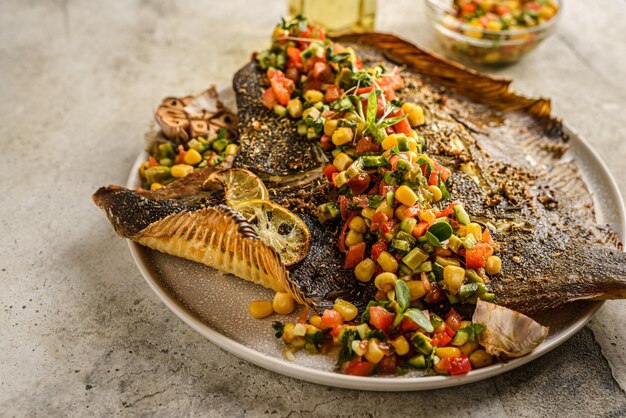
{"x":399,"y":228}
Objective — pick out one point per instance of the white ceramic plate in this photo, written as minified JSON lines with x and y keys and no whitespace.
{"x":216,"y":304}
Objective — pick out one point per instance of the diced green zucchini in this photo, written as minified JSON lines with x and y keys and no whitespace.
{"x":400,"y":245}
{"x":414,"y":258}
{"x":363,"y":330}
{"x":403,"y":144}
{"x":417,"y":361}
{"x":426,"y":266}
{"x":404,"y":236}
{"x":461,"y":215}
{"x":438,"y":271}
{"x":460,"y":338}
{"x":473,"y":276}
{"x":453,"y":298}
{"x":374,"y":161}
{"x":446,"y":261}
{"x":408,"y":224}
{"x":468,"y":289}
{"x":422,"y":343}
{"x":327,"y":212}
{"x":391,"y":198}
{"x":404,"y":165}
{"x":389,"y":178}
{"x":355,"y":169}
{"x":280,"y":110}
{"x":469,"y":242}
{"x":487,"y":297}
{"x":341,"y":179}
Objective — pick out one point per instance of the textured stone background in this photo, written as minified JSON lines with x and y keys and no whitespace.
{"x":81,"y":333}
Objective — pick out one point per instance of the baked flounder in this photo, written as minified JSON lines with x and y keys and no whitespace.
{"x":507,"y":157}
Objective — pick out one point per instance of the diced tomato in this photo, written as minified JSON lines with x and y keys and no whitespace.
{"x":468,"y":8}
{"x":487,"y":236}
{"x":329,"y":170}
{"x":387,"y":365}
{"x":477,"y":257}
{"x":402,"y":127}
{"x":483,"y":20}
{"x":388,"y":226}
{"x":312,"y":84}
{"x":336,"y":331}
{"x":364,"y":90}
{"x":443,"y":365}
{"x":333,"y":92}
{"x":366,"y":144}
{"x":433,"y":179}
{"x":459,"y":365}
{"x":313,"y":32}
{"x":341,"y":242}
{"x":450,"y":331}
{"x":378,"y":248}
{"x":378,"y":220}
{"x":359,"y":183}
{"x":295,"y":59}
{"x":359,"y":368}
{"x":441,"y":340}
{"x":269,"y":99}
{"x":334,"y":176}
{"x":453,"y":320}
{"x":381,"y":318}
{"x":356,"y":254}
{"x":152,"y":162}
{"x":444,"y":173}
{"x":408,"y":324}
{"x":331,"y":319}
{"x":180,"y":157}
{"x":344,"y":202}
{"x":448,"y":210}
{"x":412,"y":211}
{"x":326,"y":143}
{"x":281,"y":85}
{"x":420,"y":229}
{"x":320,"y":71}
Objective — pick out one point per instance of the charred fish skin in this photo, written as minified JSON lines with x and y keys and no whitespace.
{"x":506,"y":155}
{"x":270,"y":146}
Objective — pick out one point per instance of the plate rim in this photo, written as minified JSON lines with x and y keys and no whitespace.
{"x":381,"y":384}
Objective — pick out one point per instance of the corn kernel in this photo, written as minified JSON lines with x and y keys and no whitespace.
{"x":353,"y":238}
{"x":493,"y":264}
{"x":406,"y":196}
{"x":232,"y":149}
{"x":261,"y":309}
{"x":413,"y":146}
{"x":342,"y":161}
{"x":330,"y":126}
{"x":313,"y":96}
{"x":385,"y":281}
{"x":311,"y":112}
{"x":386,"y":209}
{"x":416,"y":117}
{"x":427,"y":216}
{"x":374,"y":353}
{"x":480,"y":358}
{"x":474,"y":229}
{"x":347,"y":310}
{"x":294,"y":108}
{"x":436,"y":191}
{"x":401,"y":212}
{"x":368,"y":213}
{"x":447,"y":352}
{"x":192,"y":157}
{"x":359,"y":347}
{"x":469,"y":347}
{"x":476,"y":33}
{"x":453,"y":277}
{"x":365,"y":270}
{"x":407,"y":107}
{"x":416,"y":289}
{"x":342,"y":136}
{"x":401,"y":345}
{"x":156,"y":186}
{"x":389,"y":142}
{"x":316,"y":321}
{"x":357,"y":224}
{"x":283,"y":303}
{"x":494,"y":25}
{"x":181,"y":170}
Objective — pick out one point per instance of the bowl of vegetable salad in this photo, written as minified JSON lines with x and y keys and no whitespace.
{"x":492,"y":32}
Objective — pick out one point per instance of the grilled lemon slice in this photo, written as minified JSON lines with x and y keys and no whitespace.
{"x":240,"y":185}
{"x":278,"y":228}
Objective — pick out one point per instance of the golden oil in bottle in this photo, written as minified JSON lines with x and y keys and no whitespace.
{"x":337,"y":16}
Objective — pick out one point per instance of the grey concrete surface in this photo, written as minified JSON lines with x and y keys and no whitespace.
{"x":82,"y":334}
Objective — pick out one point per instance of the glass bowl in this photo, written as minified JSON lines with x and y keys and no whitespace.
{"x":482,"y":46}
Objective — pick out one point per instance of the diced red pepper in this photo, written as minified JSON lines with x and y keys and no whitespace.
{"x":326,"y":143}
{"x":394,"y":161}
{"x":420,"y":229}
{"x":281,"y":85}
{"x":459,"y":365}
{"x":453,"y":320}
{"x":412,"y":211}
{"x":444,"y":173}
{"x":295,"y":59}
{"x":344,"y":202}
{"x":487,"y":236}
{"x":468,"y":8}
{"x":359,"y":368}
{"x":356,"y":254}
{"x":329,"y":170}
{"x":152,"y":162}
{"x":388,"y":226}
{"x":359,"y":183}
{"x":408,"y":324}
{"x":442,"y":339}
{"x":433,"y":179}
{"x":449,"y":210}
{"x":402,"y":127}
{"x":378,"y":220}
{"x":331,"y":319}
{"x":477,"y":257}
{"x":450,"y":331}
{"x":378,"y":248}
{"x":381,"y":318}
{"x":180,"y":157}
